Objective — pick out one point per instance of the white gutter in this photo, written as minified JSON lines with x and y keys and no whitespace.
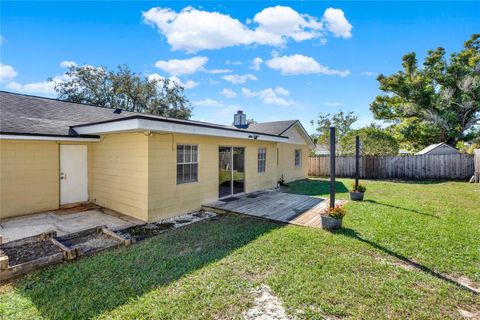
{"x":135,"y":125}
{"x":45,"y":138}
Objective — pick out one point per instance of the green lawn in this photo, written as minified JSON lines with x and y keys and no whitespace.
{"x":209,"y":269}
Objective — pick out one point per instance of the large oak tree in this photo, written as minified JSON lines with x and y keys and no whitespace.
{"x":125,"y":90}
{"x":438,"y":102}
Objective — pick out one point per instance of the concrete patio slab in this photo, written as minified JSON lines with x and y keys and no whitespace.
{"x":63,"y":222}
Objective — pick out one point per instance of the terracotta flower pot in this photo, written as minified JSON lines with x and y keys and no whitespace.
{"x":356,"y":195}
{"x":330,"y":223}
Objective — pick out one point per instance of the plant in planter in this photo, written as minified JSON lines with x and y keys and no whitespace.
{"x":332,"y":217}
{"x":281,"y":182}
{"x":357,"y":192}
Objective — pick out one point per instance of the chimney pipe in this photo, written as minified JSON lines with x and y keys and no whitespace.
{"x":240,"y":120}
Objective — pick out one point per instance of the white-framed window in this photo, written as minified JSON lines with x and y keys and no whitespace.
{"x":187,"y":163}
{"x":298,"y":157}
{"x":262,"y":159}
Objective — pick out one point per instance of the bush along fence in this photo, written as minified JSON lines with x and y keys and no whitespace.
{"x":448,"y":166}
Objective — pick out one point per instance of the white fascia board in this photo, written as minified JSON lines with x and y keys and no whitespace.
{"x":135,"y":125}
{"x":306,"y":136}
{"x":45,"y":138}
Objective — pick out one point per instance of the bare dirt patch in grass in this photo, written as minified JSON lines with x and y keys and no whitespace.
{"x":148,"y":230}
{"x":469,"y":314}
{"x":266,"y":306}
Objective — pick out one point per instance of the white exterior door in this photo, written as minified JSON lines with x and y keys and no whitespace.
{"x":73,"y":174}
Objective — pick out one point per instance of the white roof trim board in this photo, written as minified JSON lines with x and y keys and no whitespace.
{"x":45,"y":138}
{"x":136,"y":125}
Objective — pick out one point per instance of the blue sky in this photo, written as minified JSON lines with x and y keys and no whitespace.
{"x":310,"y":56}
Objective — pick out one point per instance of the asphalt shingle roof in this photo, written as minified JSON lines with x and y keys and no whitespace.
{"x":33,"y":115}
{"x":23,"y":114}
{"x":432,"y":147}
{"x":274,"y":127}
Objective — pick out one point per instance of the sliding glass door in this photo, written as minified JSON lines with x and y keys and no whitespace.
{"x":231,"y":178}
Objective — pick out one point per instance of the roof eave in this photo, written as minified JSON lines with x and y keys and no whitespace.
{"x":143,"y":124}
{"x":47,"y":137}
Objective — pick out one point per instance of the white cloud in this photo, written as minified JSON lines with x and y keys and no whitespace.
{"x":190,"y":84}
{"x":228,"y":93}
{"x":7,"y":72}
{"x":42,"y":87}
{"x":207,"y":103}
{"x":237,"y":79}
{"x":369,"y":74}
{"x":67,"y":64}
{"x":217,"y":71}
{"x":300,"y":64}
{"x":336,"y":23}
{"x":193,"y":30}
{"x":256,"y":64}
{"x":332,"y":104}
{"x":185,"y":66}
{"x":280,"y":21}
{"x":45,"y":88}
{"x":276,"y":96}
{"x":234,"y":62}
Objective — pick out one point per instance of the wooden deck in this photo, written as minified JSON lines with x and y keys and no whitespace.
{"x":274,"y":205}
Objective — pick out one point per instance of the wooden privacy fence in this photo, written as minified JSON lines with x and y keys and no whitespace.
{"x":476,"y":176}
{"x":448,"y":166}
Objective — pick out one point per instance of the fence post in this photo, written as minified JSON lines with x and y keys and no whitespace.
{"x":357,"y":160}
{"x":332,"y":167}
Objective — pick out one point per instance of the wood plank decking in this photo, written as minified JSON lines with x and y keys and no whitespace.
{"x":275,"y":205}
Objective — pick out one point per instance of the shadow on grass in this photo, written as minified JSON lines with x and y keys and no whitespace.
{"x":315,"y":187}
{"x":100,"y":283}
{"x":401,"y":208}
{"x":354,"y":235}
{"x":395,"y":180}
{"x":417,"y":181}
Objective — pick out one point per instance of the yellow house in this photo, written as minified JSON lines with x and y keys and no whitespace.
{"x":55,"y":153}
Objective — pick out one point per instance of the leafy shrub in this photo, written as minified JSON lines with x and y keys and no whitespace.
{"x":281,"y":182}
{"x":360,"y":188}
{"x":337,"y":212}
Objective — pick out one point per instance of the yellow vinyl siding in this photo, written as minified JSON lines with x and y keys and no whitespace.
{"x":120,"y":174}
{"x":29,"y":179}
{"x":167,"y":198}
{"x":286,"y":154}
{"x":135,"y":173}
{"x":287,"y":162}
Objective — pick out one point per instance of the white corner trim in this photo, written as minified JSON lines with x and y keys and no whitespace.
{"x":135,"y":125}
{"x":45,"y":138}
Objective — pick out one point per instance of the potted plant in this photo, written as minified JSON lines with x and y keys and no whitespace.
{"x":281,"y":182}
{"x":357,"y":192}
{"x":332,"y":217}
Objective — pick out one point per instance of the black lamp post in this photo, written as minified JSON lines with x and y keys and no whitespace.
{"x":332,"y":167}
{"x":357,"y":161}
